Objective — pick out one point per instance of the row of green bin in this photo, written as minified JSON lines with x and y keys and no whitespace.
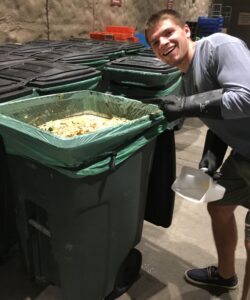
{"x":24,"y":77}
{"x":89,"y":195}
{"x":31,"y":78}
{"x":42,"y":68}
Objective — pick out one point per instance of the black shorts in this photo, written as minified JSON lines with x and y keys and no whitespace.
{"x":235,"y":177}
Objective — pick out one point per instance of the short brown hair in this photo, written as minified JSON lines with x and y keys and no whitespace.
{"x":162,"y":15}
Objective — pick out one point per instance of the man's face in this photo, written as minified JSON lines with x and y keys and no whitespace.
{"x":171,"y":43}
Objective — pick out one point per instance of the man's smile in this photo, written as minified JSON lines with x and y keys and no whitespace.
{"x":168,"y":51}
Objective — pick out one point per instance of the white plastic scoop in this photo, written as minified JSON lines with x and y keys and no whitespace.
{"x":196,"y":186}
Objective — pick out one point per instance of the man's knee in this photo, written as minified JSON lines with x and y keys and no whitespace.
{"x":247,"y":244}
{"x":247,"y":231}
{"x":221,"y":212}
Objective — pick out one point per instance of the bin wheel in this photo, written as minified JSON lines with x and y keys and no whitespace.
{"x":128,"y":273}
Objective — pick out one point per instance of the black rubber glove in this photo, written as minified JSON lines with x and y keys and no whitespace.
{"x":213,"y":153}
{"x":205,"y":105}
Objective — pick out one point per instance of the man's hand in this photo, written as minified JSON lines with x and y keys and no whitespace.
{"x":209,"y":163}
{"x":172,"y":107}
{"x":213,"y":153}
{"x":204,"y":105}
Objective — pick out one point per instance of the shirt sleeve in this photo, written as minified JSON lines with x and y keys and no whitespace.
{"x":232,"y":66}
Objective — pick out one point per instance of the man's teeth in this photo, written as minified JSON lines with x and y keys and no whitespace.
{"x":167,"y":52}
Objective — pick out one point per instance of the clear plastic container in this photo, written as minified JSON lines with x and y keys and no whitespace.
{"x":197,"y":186}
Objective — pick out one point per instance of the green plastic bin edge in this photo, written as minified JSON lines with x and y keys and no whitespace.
{"x":94,"y":151}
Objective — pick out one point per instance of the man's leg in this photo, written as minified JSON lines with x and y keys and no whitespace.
{"x":235,"y":177}
{"x":225,"y":236}
{"x":246,"y":285}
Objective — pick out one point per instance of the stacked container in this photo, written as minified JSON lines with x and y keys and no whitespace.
{"x":207,"y":26}
{"x":115,"y":33}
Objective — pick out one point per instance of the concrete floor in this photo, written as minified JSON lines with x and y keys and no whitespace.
{"x":167,"y":253}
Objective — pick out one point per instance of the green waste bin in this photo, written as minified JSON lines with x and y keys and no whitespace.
{"x":9,"y":90}
{"x":52,"y":77}
{"x":80,"y":201}
{"x":8,"y":232}
{"x":140,"y":77}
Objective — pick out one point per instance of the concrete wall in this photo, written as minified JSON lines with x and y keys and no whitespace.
{"x":25,"y":20}
{"x":192,"y":9}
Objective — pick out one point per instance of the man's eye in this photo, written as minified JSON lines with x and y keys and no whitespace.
{"x":156,"y":43}
{"x":167,"y":33}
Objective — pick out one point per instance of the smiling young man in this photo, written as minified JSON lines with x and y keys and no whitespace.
{"x":168,"y":41}
{"x":215,"y":88}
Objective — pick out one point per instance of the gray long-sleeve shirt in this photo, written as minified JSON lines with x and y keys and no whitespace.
{"x":223,"y":61}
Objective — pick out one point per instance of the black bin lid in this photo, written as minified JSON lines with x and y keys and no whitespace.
{"x":146,"y":52}
{"x":43,"y":43}
{"x":141,"y":63}
{"x":47,"y":74}
{"x":53,"y":55}
{"x":83,"y":57}
{"x":106,"y":49}
{"x":29,"y":50}
{"x":88,"y":42}
{"x":11,"y":89}
{"x":78,"y":39}
{"x":7,"y":60}
{"x":130,"y":46}
{"x":9,"y":48}
{"x":37,"y":73}
{"x":68,"y":56}
{"x":51,"y":44}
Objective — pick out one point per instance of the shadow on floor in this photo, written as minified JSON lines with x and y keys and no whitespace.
{"x":164,"y":276}
{"x":15,"y":284}
{"x":161,"y":279}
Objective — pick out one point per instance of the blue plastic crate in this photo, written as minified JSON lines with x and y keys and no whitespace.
{"x":208,"y":25}
{"x":142,"y":39}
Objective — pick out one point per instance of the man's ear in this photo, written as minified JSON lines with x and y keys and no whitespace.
{"x":187,"y":31}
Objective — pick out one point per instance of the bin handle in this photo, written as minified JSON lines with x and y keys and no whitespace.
{"x":39,"y":227}
{"x":112,"y":164}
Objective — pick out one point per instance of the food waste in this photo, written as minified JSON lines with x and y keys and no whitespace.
{"x":80,"y":124}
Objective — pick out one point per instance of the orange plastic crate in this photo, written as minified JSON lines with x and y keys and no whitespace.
{"x":101,"y":35}
{"x":120,"y":29}
{"x":133,"y":39}
{"x":122,"y":36}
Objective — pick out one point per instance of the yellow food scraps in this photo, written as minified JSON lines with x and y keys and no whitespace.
{"x":81,"y":124}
